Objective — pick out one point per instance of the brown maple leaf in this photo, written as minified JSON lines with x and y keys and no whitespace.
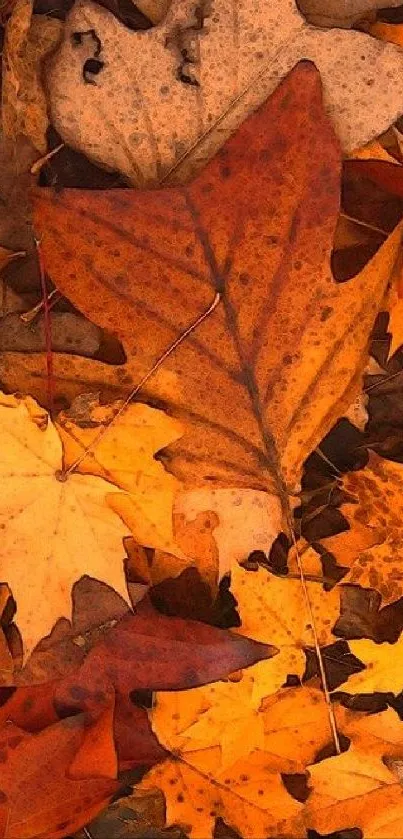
{"x":266,"y":374}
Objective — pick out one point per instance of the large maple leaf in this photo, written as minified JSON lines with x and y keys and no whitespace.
{"x":267,"y":373}
{"x":53,"y":531}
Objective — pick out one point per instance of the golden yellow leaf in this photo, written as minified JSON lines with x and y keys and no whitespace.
{"x":384,"y":667}
{"x":359,"y":786}
{"x":273,"y":609}
{"x":254,"y":803}
{"x":216,"y":727}
{"x":125,"y":456}
{"x":53,"y":531}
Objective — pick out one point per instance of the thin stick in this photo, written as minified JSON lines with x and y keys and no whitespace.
{"x":48,"y":330}
{"x":53,"y":297}
{"x":64,"y":473}
{"x":37,"y":166}
{"x":322,"y":670}
{"x":382,"y":381}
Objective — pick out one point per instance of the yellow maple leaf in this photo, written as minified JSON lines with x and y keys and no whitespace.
{"x":261,"y":604}
{"x":358,"y":787}
{"x":53,"y":531}
{"x":125,"y":456}
{"x":254,"y":803}
{"x":384,"y":667}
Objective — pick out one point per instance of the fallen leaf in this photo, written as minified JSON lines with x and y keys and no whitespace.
{"x":29,"y":38}
{"x":393,"y":33}
{"x":246,"y":520}
{"x":42,"y":797}
{"x":142,"y":653}
{"x":394,"y":305}
{"x":70,"y":333}
{"x":342,"y":12}
{"x":149,"y":651}
{"x":234,"y":754}
{"x":79,"y":533}
{"x":383,"y":663}
{"x":261,"y":599}
{"x":354,"y":788}
{"x":215,"y":727}
{"x":265,"y":375}
{"x":369,"y":550}
{"x":154,"y":9}
{"x":159,"y":122}
{"x":125,"y":457}
{"x":239,"y":803}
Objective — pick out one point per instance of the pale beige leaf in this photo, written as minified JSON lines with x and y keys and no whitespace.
{"x":238,"y":58}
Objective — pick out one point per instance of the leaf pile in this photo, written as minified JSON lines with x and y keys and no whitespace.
{"x":201,"y":598}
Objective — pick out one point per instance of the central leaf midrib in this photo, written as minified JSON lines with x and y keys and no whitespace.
{"x":218,"y":282}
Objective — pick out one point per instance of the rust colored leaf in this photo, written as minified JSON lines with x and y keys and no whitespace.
{"x":150,"y":651}
{"x":143,"y":652}
{"x":42,"y":797}
{"x":265,"y":376}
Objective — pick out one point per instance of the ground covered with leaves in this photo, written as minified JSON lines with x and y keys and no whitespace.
{"x":201,"y":420}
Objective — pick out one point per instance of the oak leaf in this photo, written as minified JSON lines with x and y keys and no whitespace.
{"x":370,"y":549}
{"x":200,"y":73}
{"x":284,"y":346}
{"x":80,"y":534}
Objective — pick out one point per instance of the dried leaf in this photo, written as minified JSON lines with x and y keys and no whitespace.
{"x":261,"y":597}
{"x":234,"y":753}
{"x":232,"y":61}
{"x":341,"y":12}
{"x":370,"y":549}
{"x":286,"y":367}
{"x":354,"y":788}
{"x":29,"y":38}
{"x":79,"y":533}
{"x":383,"y":667}
{"x":125,"y":456}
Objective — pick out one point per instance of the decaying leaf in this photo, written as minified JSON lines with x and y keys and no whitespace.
{"x":268,"y":371}
{"x":231,"y":61}
{"x":370,"y":549}
{"x":29,"y":38}
{"x":79,"y":533}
